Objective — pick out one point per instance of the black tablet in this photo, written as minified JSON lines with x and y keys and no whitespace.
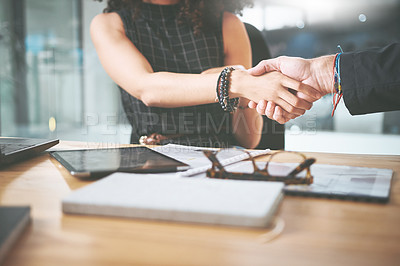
{"x":100,"y":162}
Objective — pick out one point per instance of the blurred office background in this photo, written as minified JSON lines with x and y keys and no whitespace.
{"x":52,"y":83}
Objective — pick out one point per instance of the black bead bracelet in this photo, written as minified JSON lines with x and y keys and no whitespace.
{"x":223,"y":85}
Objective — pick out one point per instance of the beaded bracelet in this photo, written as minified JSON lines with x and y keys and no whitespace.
{"x":338,"y":93}
{"x":223,"y":84}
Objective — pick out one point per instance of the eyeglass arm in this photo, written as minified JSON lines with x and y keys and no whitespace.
{"x":212,"y":156}
{"x":305,"y":164}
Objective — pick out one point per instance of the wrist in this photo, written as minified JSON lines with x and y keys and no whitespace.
{"x":322,"y":67}
{"x":237,"y":85}
{"x":224,"y":96}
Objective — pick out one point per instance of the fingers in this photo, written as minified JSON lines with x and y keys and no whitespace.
{"x":261,"y":106}
{"x":290,"y":107}
{"x":252,"y":104}
{"x":281,"y":116}
{"x":288,"y":116}
{"x":305,"y":97}
{"x":310,"y":91}
{"x":287,"y":94}
{"x":296,"y":68}
{"x":278,"y":115}
{"x":266,"y":108}
{"x":264,"y":67}
{"x":272,"y":111}
{"x":294,"y":101}
{"x":303,"y":102}
{"x":311,"y":94}
{"x":269,"y":111}
{"x":276,"y":90}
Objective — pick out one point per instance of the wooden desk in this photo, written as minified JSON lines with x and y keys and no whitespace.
{"x":316,"y":232}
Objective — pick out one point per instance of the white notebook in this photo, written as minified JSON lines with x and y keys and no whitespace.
{"x":168,"y":197}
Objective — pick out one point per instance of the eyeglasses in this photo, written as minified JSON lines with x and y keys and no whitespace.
{"x":303,"y":163}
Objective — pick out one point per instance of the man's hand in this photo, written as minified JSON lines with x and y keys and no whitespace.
{"x":317,"y":73}
{"x":273,"y":87}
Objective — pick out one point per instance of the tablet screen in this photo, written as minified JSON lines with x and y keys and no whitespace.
{"x":84,"y":163}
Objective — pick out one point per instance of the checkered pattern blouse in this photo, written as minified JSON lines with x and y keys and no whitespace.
{"x":172,"y":46}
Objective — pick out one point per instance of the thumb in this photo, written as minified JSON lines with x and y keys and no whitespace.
{"x":264,"y":67}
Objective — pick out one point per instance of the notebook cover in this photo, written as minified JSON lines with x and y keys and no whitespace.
{"x":167,"y":197}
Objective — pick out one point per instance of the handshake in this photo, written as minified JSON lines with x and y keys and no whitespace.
{"x":302,"y":81}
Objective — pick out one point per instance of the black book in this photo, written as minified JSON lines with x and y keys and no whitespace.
{"x":13,"y":221}
{"x":17,"y":149}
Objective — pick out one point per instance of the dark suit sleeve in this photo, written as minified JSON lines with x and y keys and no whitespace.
{"x":371,"y":80}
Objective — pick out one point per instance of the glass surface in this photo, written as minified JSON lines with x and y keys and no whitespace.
{"x":41,"y":80}
{"x":313,"y":28}
{"x":133,"y":159}
{"x":54,"y":66}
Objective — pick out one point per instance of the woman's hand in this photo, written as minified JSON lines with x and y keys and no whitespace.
{"x":272,"y":111}
{"x":273,"y":87}
{"x":314,"y":72}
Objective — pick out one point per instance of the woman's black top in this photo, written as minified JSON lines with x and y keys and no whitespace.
{"x":172,"y":46}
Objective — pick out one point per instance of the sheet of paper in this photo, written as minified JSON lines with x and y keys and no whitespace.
{"x":198,"y":162}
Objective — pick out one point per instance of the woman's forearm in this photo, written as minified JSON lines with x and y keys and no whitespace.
{"x":169,"y":90}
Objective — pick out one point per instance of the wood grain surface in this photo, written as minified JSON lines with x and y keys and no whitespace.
{"x":316,"y":231}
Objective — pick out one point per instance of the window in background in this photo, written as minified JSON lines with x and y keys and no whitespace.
{"x":311,"y":28}
{"x":51,"y":81}
{"x":42,"y":73}
{"x":53,"y":85}
{"x":104,"y":119}
{"x":7,"y":41}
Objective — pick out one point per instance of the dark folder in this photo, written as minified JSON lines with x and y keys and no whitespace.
{"x":13,"y":221}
